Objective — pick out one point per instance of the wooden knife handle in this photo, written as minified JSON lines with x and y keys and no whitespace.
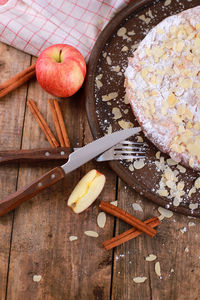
{"x":30,"y":190}
{"x":35,"y":155}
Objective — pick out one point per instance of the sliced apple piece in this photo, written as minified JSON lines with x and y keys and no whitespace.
{"x":86,"y":191}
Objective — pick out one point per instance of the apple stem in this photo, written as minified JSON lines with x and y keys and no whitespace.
{"x":59,"y":59}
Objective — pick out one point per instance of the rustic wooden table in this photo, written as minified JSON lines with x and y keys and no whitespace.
{"x":34,"y":239}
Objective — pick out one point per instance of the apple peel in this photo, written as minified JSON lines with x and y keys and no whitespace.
{"x":86,"y":191}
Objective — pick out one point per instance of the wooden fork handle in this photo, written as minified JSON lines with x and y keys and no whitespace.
{"x":35,"y":155}
{"x":32,"y":189}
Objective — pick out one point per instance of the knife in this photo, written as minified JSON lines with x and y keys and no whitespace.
{"x":75,"y":160}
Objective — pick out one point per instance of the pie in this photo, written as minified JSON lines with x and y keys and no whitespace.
{"x":162,"y":83}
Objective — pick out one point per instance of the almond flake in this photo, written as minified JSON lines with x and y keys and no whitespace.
{"x":101,"y":219}
{"x":167,"y":2}
{"x":185,"y":83}
{"x":122,"y":31}
{"x":126,"y":101}
{"x":140,"y":139}
{"x":163,"y":193}
{"x":131,"y":33}
{"x":172,"y":100}
{"x":139,"y":164}
{"x":186,"y":250}
{"x":99,"y":76}
{"x":114,"y":203}
{"x":125,"y":124}
{"x":158,"y":155}
{"x":151,"y":257}
{"x":91,"y":233}
{"x":165,"y":212}
{"x":171,"y":162}
{"x":161,"y":217}
{"x":124,"y":49}
{"x":191,"y":191}
{"x":157,"y":268}
{"x":190,"y":224}
{"x":116,"y":68}
{"x":117,"y":113}
{"x":109,"y":61}
{"x":181,"y":168}
{"x":145,"y":19}
{"x":176,"y":202}
{"x":191,"y":162}
{"x":37,"y":278}
{"x":110,"y":96}
{"x":160,"y":31}
{"x":131,"y":167}
{"x":99,"y":84}
{"x":139,"y":279}
{"x":172,"y":270}
{"x":137,"y":207}
{"x":109,"y":129}
{"x":134,"y":47}
{"x":197,"y":183}
{"x":193,"y":206}
{"x":73,"y":238}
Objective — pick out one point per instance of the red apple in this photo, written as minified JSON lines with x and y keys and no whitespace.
{"x":60,"y":70}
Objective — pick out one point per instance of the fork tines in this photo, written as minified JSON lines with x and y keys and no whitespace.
{"x":125,"y":151}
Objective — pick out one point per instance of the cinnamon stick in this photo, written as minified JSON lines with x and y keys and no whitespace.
{"x":123,"y":215}
{"x":59,"y":122}
{"x":129,"y":234}
{"x":16,"y":81}
{"x":62,"y":124}
{"x":42,"y":123}
{"x":56,"y":122}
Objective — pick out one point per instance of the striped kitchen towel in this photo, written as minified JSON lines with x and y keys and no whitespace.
{"x":33,"y":25}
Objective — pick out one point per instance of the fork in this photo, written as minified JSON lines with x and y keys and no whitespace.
{"x":124,"y":151}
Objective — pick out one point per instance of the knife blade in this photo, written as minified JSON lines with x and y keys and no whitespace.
{"x":75,"y":160}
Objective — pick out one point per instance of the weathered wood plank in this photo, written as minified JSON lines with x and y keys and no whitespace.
{"x":11,"y":124}
{"x":180,"y":269}
{"x":40,"y":246}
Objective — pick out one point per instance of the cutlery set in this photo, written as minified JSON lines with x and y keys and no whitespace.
{"x":109,"y":147}
{"x":122,"y":151}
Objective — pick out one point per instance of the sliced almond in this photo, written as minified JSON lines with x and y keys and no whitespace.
{"x":117,"y":113}
{"x":197,"y":183}
{"x":37,"y":278}
{"x":151,"y":257}
{"x":125,"y":124}
{"x":122,"y":31}
{"x":114,"y":202}
{"x":157,"y":268}
{"x":109,"y":61}
{"x":91,"y":233}
{"x":139,"y":279}
{"x":165,"y":212}
{"x":101,"y":219}
{"x":139,"y":164}
{"x":137,"y":207}
{"x":73,"y":238}
{"x":193,"y":206}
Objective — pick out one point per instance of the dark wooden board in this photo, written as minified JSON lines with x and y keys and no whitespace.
{"x":109,"y":44}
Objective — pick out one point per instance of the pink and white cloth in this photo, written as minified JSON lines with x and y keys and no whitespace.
{"x":33,"y":25}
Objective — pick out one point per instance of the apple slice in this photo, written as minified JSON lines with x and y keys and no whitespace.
{"x":86,"y":191}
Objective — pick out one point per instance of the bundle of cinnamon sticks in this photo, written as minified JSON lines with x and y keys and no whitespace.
{"x":58,"y":122}
{"x":139,"y":226}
